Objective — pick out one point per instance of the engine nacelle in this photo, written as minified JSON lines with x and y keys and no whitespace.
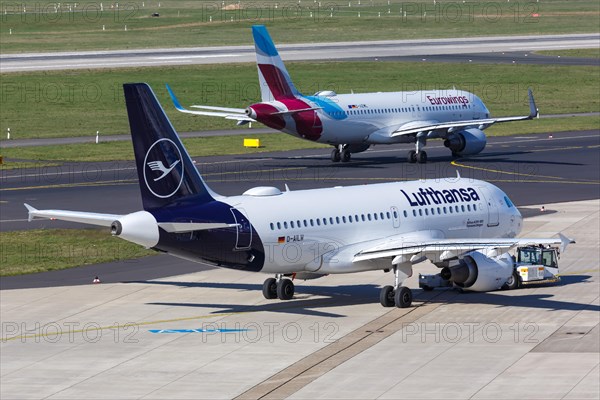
{"x":480,"y":273}
{"x":138,"y":227}
{"x":466,"y":142}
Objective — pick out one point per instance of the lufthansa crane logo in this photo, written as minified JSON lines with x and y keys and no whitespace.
{"x":163,"y":168}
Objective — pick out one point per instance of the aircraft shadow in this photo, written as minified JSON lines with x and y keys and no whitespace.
{"x":349,"y":295}
{"x":345,"y":295}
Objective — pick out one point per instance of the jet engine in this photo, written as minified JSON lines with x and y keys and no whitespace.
{"x":138,"y":227}
{"x":480,"y":273}
{"x":466,"y":142}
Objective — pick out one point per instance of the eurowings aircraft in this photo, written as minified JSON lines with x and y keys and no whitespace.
{"x":464,"y":226}
{"x":351,"y":123}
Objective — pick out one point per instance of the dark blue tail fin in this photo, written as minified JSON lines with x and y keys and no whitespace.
{"x":165,"y":170}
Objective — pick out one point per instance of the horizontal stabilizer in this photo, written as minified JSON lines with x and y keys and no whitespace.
{"x":236,"y":114}
{"x":73,"y":216}
{"x":226,"y":109}
{"x":290,"y":112}
{"x":182,"y":227}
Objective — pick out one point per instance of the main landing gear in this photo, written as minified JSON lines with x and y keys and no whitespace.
{"x":278,"y":287}
{"x":414,"y":157}
{"x":339,"y":153}
{"x":418,"y":155}
{"x":397,"y":295}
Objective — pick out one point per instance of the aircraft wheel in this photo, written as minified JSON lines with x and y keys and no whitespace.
{"x":285,"y":289}
{"x":345,"y":156}
{"x":514,"y":281}
{"x":335,"y":155}
{"x":412,"y":157}
{"x":270,"y":288}
{"x":421,"y":157}
{"x":403,"y":297}
{"x":386,"y":296}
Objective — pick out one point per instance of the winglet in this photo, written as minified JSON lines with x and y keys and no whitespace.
{"x":533,"y":110}
{"x":564,"y":242}
{"x":174,"y":99}
{"x":30,"y":210}
{"x":457,"y":174}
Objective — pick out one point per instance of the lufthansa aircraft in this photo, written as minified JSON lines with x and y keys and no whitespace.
{"x":353,"y":122}
{"x":464,"y":226}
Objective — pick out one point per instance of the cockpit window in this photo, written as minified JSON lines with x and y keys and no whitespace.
{"x":508,"y":202}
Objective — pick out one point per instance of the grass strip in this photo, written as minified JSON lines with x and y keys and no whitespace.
{"x":39,"y":250}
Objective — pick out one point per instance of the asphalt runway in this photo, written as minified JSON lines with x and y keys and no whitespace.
{"x":532,"y":169}
{"x":298,"y":52}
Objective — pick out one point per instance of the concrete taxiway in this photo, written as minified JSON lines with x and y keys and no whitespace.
{"x":295,"y":52}
{"x":211,"y":334}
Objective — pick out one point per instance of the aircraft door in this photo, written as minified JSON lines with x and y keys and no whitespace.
{"x":395,"y":216}
{"x":493,"y":213}
{"x":243,"y":229}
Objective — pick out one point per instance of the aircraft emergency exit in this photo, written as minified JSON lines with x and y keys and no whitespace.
{"x":351,"y":123}
{"x":466,"y":227}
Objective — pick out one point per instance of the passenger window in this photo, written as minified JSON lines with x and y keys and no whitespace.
{"x":375,"y":216}
{"x":362,"y":217}
{"x":292,"y":224}
{"x":343,"y":219}
{"x":278,"y":225}
{"x":330,"y":220}
{"x":426,"y":211}
{"x":285,"y":225}
{"x":312,"y":223}
{"x":439,"y":210}
{"x":456,"y":209}
{"x":414,"y":213}
{"x":272,"y":226}
{"x":324,"y":221}
{"x":405,"y":214}
{"x":420,"y":212}
{"x":318,"y":222}
{"x":388,"y":215}
{"x":337,"y":220}
{"x":462,"y":208}
{"x":350,"y":218}
{"x":445,"y":211}
{"x":395,"y":214}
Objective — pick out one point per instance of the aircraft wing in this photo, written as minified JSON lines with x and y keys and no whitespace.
{"x":237,"y":114}
{"x":73,"y":216}
{"x":404,"y":249}
{"x":451,"y":126}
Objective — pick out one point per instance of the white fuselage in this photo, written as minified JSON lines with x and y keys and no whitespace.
{"x":372,"y":117}
{"x":298,"y":228}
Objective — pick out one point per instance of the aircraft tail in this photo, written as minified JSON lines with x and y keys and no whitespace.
{"x":275,"y":82}
{"x":165,"y":170}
